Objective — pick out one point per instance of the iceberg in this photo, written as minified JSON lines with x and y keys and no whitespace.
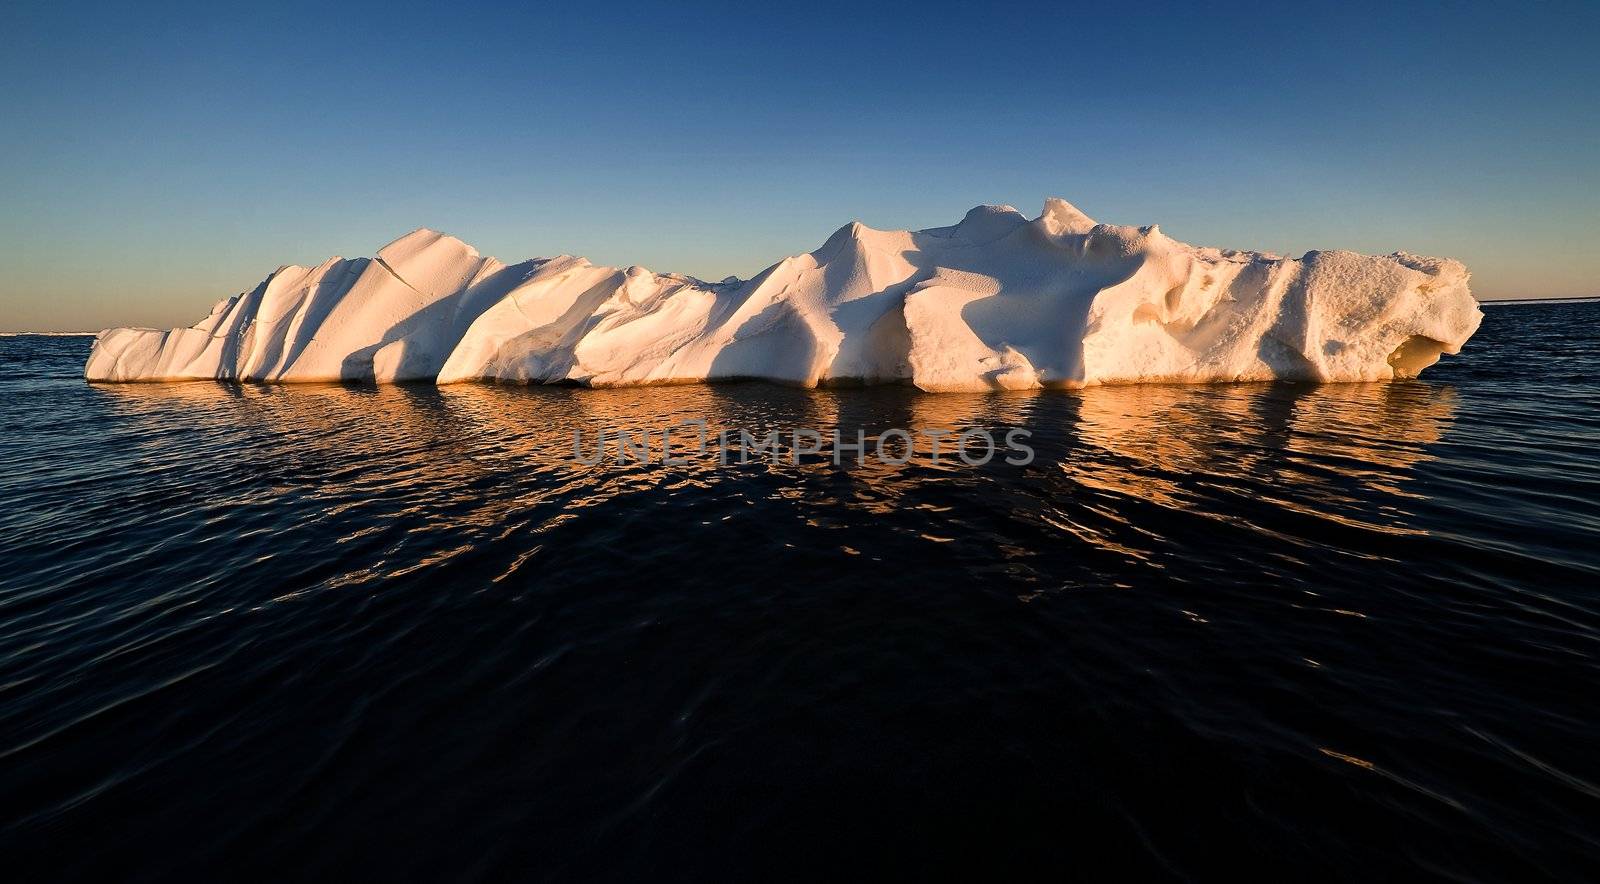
{"x":998,"y":301}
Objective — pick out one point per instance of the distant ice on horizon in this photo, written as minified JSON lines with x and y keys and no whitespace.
{"x":1586,"y":299}
{"x":997,"y":301}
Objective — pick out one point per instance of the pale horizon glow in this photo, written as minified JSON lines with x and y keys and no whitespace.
{"x":155,"y":162}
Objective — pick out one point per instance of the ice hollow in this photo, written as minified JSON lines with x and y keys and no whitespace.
{"x":997,"y":301}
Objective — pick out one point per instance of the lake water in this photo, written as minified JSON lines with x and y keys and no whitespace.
{"x":1343,"y":631}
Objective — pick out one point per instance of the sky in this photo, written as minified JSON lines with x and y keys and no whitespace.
{"x":155,"y":158}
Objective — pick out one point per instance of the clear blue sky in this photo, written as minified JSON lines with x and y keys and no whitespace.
{"x":155,"y":158}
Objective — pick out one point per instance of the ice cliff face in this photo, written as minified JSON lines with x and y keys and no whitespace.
{"x":997,"y":301}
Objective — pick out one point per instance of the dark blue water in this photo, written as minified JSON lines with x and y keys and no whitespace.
{"x":1339,"y":632}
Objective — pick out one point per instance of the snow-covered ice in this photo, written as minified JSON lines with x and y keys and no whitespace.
{"x":997,"y":301}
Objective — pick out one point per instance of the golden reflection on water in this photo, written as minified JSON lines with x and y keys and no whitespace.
{"x":1147,"y":439}
{"x":1339,"y":451}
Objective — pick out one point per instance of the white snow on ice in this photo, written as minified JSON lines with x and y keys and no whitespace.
{"x":997,"y":301}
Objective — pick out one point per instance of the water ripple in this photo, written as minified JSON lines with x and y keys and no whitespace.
{"x":330,"y":630}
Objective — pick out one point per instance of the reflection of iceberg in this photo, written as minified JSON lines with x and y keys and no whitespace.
{"x":1184,"y":429}
{"x":1340,"y":446}
{"x":995,"y":302}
